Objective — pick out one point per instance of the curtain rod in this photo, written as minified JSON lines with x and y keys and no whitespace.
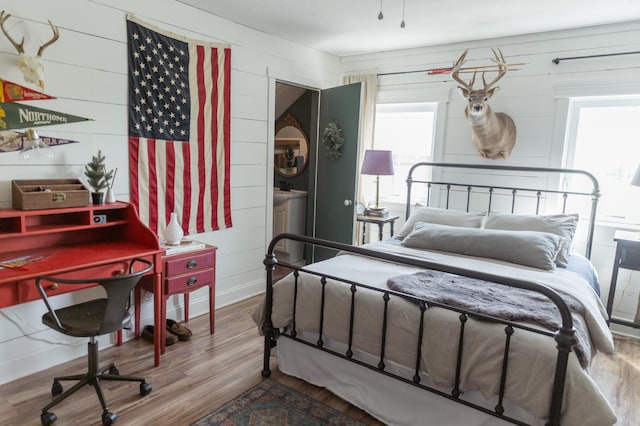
{"x":557,"y":60}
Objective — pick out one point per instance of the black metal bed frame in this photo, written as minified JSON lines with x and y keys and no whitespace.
{"x":564,"y":336}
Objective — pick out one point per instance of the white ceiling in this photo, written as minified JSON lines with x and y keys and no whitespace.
{"x":347,"y":27}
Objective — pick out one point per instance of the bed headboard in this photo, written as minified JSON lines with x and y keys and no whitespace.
{"x":484,"y":188}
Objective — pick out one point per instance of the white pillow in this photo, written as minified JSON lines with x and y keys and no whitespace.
{"x":529,"y":248}
{"x":563,"y":225}
{"x":441,"y":217}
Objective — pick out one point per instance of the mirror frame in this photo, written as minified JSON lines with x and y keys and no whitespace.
{"x":287,"y":121}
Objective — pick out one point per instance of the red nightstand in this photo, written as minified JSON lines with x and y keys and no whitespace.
{"x":182,"y":273}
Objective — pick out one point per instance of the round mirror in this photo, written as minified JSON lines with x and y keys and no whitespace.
{"x":291,"y":154}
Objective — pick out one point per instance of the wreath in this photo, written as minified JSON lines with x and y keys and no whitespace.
{"x":332,"y":140}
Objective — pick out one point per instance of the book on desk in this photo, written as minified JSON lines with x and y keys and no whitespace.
{"x":382,"y":214}
{"x":184,"y":246}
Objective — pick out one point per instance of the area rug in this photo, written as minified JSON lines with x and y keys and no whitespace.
{"x":274,"y":404}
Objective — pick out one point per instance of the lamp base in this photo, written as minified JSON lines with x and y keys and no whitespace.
{"x":377,"y":209}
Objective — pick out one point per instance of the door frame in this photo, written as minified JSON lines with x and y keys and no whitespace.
{"x":294,"y":80}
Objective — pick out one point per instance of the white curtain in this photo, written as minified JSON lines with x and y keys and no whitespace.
{"x":367,"y":124}
{"x":368,"y":115}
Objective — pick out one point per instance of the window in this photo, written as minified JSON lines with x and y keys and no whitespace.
{"x":407,"y":130}
{"x":604,"y":139}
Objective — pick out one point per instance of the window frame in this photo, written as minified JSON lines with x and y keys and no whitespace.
{"x":575,"y":104}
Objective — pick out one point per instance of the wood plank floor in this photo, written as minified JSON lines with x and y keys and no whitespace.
{"x":199,"y":375}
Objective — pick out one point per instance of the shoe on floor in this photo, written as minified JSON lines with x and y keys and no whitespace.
{"x":179,"y":330}
{"x":147,"y":334}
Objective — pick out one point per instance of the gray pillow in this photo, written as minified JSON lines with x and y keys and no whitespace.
{"x":529,"y":248}
{"x":441,"y":217}
{"x":563,"y":225}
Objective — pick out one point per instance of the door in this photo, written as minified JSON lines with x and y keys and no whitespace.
{"x":337,"y":178}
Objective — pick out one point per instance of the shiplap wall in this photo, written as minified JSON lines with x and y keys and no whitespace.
{"x":87,"y":71}
{"x":535,"y":96}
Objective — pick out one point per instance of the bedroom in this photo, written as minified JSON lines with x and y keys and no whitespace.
{"x":89,"y":61}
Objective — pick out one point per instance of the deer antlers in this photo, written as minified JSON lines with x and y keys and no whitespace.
{"x":499,"y":60}
{"x":31,"y":66}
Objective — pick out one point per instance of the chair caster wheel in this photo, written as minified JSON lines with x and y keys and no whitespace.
{"x":113,"y":370}
{"x":48,"y":418}
{"x":56,"y":388}
{"x":145,"y":389}
{"x":108,"y":418}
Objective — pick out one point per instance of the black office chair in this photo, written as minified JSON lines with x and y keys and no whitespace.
{"x":91,"y":319}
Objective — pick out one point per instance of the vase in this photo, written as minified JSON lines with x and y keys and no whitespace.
{"x":110,"y":197}
{"x":97,"y":198}
{"x":173,"y":233}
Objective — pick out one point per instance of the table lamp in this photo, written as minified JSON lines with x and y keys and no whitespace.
{"x":378,"y":163}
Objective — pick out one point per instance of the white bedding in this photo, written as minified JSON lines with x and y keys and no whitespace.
{"x":532,"y":356}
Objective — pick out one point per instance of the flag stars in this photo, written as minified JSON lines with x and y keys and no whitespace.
{"x":160,"y":91}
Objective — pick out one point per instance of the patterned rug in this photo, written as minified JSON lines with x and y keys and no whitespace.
{"x":274,"y":404}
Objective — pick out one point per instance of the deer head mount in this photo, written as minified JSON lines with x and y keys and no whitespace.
{"x":493,"y":133}
{"x":31,"y":66}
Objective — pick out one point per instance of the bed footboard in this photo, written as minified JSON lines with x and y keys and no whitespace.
{"x":565,"y":336}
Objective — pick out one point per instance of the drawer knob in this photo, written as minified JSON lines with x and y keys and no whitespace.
{"x":53,"y":286}
{"x":192,"y":264}
{"x":192,"y":281}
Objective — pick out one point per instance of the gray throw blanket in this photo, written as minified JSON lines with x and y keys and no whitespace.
{"x":493,"y":299}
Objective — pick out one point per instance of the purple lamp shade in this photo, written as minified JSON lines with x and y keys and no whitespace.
{"x":636,"y":178}
{"x":378,"y":162}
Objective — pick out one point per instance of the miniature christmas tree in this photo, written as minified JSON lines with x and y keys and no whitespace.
{"x":96,"y":173}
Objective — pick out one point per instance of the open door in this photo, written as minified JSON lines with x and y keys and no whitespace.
{"x":336,"y":181}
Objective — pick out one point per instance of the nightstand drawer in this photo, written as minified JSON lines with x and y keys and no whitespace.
{"x":191,"y":262}
{"x":188,"y":282}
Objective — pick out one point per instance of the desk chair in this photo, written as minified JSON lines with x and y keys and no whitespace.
{"x":91,"y":319}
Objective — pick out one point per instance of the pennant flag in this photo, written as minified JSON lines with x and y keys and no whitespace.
{"x":19,"y":116}
{"x":13,"y":141}
{"x":179,"y":129}
{"x":11,"y":92}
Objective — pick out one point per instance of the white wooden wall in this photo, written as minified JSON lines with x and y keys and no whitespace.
{"x":87,"y":71}
{"x":536,"y":97}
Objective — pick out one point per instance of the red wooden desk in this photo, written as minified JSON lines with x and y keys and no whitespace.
{"x":71,"y":243}
{"x":182,"y":273}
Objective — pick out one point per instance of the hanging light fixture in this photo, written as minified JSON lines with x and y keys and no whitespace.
{"x":381,"y":15}
{"x":35,"y":147}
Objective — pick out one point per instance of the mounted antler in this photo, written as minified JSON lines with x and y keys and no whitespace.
{"x":31,"y":66}
{"x":494,"y":134}
{"x":502,"y":69}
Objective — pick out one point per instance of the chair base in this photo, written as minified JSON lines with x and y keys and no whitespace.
{"x":92,"y":377}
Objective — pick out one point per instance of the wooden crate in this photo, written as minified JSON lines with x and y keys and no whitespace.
{"x":34,"y":194}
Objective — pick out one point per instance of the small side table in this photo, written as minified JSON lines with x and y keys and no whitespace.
{"x":627,"y":257}
{"x":380,"y":221}
{"x":182,"y":273}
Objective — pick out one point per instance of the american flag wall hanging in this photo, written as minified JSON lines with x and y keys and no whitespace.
{"x":179,"y":129}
